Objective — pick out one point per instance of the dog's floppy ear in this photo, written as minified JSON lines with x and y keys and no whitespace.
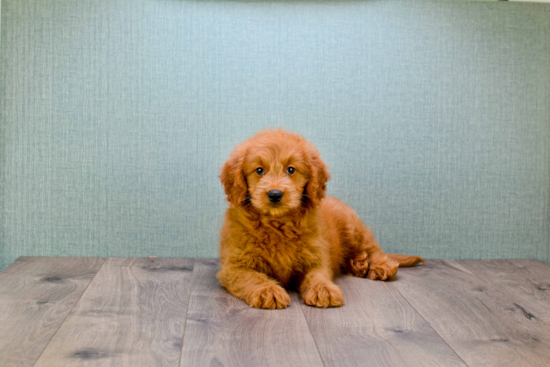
{"x":317,"y":184}
{"x":233,"y":179}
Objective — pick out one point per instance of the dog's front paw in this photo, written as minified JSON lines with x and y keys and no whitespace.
{"x":270,"y":297}
{"x":382,"y":270}
{"x":323,"y":295}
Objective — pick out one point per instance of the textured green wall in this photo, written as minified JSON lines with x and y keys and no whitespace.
{"x":116,"y":115}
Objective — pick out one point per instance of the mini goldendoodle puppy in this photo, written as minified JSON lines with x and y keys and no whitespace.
{"x":281,"y":230}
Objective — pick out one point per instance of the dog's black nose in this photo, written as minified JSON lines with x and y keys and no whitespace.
{"x":275,"y":196}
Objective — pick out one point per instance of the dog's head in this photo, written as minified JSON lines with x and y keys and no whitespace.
{"x":276,"y":172}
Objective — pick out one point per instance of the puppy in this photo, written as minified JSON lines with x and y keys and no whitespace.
{"x":280,"y":229}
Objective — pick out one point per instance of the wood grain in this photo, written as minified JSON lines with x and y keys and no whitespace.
{"x":36,"y":295}
{"x":527,"y":282}
{"x":224,"y":331}
{"x":132,"y":314}
{"x":483,"y":324}
{"x":376,"y":327}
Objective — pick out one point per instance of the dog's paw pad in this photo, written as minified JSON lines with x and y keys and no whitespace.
{"x":269,"y":297}
{"x":323,"y":295}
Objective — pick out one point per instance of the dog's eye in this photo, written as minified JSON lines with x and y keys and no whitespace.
{"x":290,"y":170}
{"x":260,"y":171}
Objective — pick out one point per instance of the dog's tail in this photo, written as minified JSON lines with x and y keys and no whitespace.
{"x":406,"y":260}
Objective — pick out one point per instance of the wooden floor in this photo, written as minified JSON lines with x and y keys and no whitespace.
{"x":173,"y":312}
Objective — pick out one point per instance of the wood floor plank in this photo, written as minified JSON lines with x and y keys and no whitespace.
{"x":533,"y":269}
{"x":224,"y":331}
{"x":482,"y":324}
{"x":36,"y":295}
{"x":132,"y":314}
{"x":525,"y":281}
{"x":376,"y":327}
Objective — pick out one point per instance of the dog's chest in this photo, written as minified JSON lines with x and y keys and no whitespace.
{"x":283,"y":250}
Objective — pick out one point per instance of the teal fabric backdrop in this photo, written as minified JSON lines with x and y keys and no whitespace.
{"x":117,"y":114}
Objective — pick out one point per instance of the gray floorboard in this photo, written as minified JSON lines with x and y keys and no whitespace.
{"x":36,"y":295}
{"x":483,"y":325}
{"x":527,"y":282}
{"x":132,"y":314}
{"x":224,"y":331}
{"x":173,"y":312}
{"x":376,"y":327}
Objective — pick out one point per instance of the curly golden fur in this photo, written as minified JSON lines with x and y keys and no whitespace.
{"x":302,"y":241}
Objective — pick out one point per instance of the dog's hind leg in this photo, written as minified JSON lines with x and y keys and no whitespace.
{"x":366,"y":257}
{"x":359,"y":265}
{"x":354,"y":249}
{"x":368,"y":260}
